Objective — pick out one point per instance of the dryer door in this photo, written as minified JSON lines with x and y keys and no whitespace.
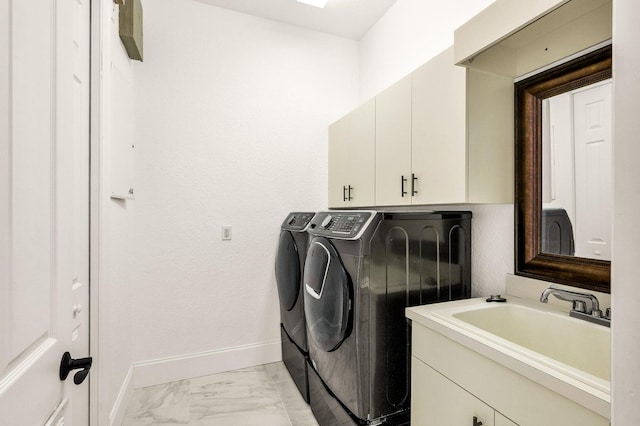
{"x":287,"y":271}
{"x":327,"y":295}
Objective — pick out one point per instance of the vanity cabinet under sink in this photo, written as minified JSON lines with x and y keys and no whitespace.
{"x":436,"y":400}
{"x":452,"y":384}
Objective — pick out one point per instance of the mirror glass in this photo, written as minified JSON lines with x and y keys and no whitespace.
{"x":576,"y":172}
{"x":562,"y":172}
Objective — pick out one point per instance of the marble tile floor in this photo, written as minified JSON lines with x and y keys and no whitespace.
{"x":258,"y":396}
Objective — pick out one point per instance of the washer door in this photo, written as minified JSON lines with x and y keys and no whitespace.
{"x":327,"y":296}
{"x":288,"y":271}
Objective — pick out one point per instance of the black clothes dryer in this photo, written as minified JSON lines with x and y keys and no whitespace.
{"x":292,"y":248}
{"x":363,"y":268}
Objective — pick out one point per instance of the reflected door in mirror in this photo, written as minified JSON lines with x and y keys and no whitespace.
{"x":576,"y":178}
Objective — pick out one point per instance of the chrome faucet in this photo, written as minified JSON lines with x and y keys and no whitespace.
{"x":579,"y":300}
{"x":584,"y":305}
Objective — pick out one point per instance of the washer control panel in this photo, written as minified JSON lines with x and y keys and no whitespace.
{"x":341,"y":224}
{"x":297,"y":221}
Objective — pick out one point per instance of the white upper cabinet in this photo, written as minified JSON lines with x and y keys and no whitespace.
{"x":501,"y":18}
{"x":506,"y":41}
{"x":501,"y":420}
{"x":516,"y":37}
{"x":421,"y":136}
{"x":352,"y":158}
{"x":362,"y":155}
{"x":393,"y":145}
{"x":438,"y":132}
{"x":429,"y":147}
{"x":428,"y":151}
{"x":338,"y":162}
{"x":490,"y":141}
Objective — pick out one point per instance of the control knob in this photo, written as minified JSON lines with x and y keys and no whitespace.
{"x":326,"y":222}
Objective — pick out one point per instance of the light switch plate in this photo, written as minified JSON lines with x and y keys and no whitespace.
{"x":226,"y":232}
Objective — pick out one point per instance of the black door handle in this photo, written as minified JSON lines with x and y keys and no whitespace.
{"x":476,"y":422}
{"x":402,"y":181}
{"x":67,"y":364}
{"x":350,"y":188}
{"x":413,"y":184}
{"x":344,"y":193}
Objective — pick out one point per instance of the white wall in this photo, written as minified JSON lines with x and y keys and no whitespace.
{"x":626,"y":205}
{"x":409,"y":34}
{"x":231,"y":129}
{"x":112,"y":221}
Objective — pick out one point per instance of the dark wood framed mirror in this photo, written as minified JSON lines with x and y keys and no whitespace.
{"x":530,"y":260}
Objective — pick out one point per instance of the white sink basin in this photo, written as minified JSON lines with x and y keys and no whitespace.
{"x":569,"y":355}
{"x":571,"y":341}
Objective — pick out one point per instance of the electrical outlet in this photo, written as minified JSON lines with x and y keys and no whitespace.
{"x":226,"y":232}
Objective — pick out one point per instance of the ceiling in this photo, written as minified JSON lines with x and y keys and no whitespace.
{"x":344,"y":18}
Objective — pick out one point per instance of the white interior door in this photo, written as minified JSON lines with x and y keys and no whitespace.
{"x":80,"y":74}
{"x":43,"y":223}
{"x":592,"y":122}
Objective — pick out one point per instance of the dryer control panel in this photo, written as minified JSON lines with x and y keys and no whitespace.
{"x":341,"y":224}
{"x":297,"y":221}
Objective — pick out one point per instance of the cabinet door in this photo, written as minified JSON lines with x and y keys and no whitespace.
{"x":490,"y":138}
{"x":338,"y":161}
{"x":437,"y":401}
{"x":439,"y":131}
{"x":503,"y":421}
{"x":393,"y":144}
{"x":362,"y":158}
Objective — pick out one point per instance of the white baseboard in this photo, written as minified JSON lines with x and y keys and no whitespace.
{"x":164,"y":370}
{"x":119,"y":409}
